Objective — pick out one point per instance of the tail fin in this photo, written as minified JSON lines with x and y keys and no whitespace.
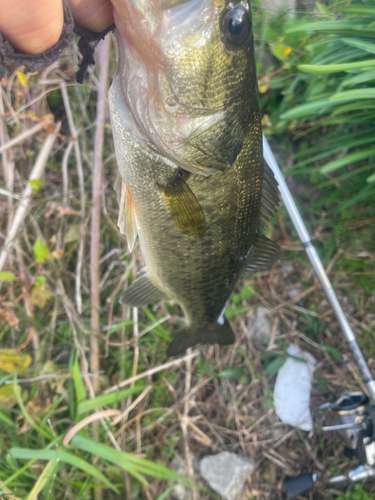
{"x":213,"y":333}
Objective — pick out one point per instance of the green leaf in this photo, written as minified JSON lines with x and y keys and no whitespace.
{"x":45,"y":476}
{"x":106,"y":399}
{"x":335,"y":68}
{"x":359,"y":9}
{"x":347,"y":160}
{"x":306,"y":110}
{"x":26,"y":415}
{"x":128,"y":322}
{"x":352,"y":106}
{"x":41,"y":251}
{"x":164,"y":495}
{"x":231,"y":373}
{"x":73,"y":234}
{"x":12,"y":360}
{"x":333,"y":352}
{"x":6,"y":419}
{"x":296,"y":358}
{"x":62,"y":456}
{"x":35,"y":185}
{"x":275,"y":365}
{"x":351,"y":95}
{"x":365,"y":77}
{"x":347,"y":28}
{"x":360,"y":44}
{"x":39,"y":296}
{"x":371,"y":179}
{"x":136,"y":466}
{"x":78,"y":384}
{"x":7,"y":276}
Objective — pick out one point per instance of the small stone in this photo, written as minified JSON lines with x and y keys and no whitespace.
{"x":259,"y":325}
{"x":226,"y":473}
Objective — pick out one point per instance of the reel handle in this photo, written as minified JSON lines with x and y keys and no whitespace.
{"x":299,"y":484}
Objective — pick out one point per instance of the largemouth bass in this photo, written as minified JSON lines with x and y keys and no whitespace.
{"x":193,"y":184}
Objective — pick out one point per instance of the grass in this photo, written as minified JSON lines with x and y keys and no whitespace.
{"x":221,"y":399}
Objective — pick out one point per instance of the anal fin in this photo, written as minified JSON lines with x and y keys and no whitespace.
{"x":264,"y":255}
{"x":141,"y":292}
{"x":127,"y":221}
{"x":184,"y":208}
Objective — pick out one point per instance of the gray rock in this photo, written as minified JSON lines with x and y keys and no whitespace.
{"x":259,"y":325}
{"x":226,"y":473}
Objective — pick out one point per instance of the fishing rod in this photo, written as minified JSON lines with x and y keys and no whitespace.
{"x":354,"y":416}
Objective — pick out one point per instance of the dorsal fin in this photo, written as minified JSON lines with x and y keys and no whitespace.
{"x":264,"y":255}
{"x":141,"y":292}
{"x":270,"y":196}
{"x":127,"y":221}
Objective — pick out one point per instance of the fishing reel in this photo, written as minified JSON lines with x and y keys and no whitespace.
{"x":354,"y":421}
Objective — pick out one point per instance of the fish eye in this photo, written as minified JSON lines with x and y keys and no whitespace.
{"x":236,"y":25}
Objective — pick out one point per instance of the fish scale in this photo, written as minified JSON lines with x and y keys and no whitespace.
{"x":197,"y":188}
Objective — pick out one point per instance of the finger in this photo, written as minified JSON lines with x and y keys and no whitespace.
{"x":31,"y":26}
{"x":94,"y":15}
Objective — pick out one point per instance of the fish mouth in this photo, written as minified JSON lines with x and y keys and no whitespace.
{"x":160,"y":116}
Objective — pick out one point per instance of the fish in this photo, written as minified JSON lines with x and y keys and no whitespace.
{"x":193,"y":185}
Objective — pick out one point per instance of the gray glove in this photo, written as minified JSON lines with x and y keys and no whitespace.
{"x":35,"y":62}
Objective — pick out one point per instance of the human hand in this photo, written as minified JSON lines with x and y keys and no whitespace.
{"x":33,"y":26}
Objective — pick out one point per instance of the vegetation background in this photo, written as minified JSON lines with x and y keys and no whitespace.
{"x":66,"y":342}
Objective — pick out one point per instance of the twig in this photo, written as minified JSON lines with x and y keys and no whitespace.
{"x":95,"y":221}
{"x":64,"y":171}
{"x":125,"y":313}
{"x":81,"y":183}
{"x":8,"y":163}
{"x":97,"y":185}
{"x":86,"y":421}
{"x":146,"y":330}
{"x":27,"y":300}
{"x":133,"y":405}
{"x":73,"y":319}
{"x":35,"y":174}
{"x":47,"y":376}
{"x":152,"y":371}
{"x":22,"y":136}
{"x":185,"y":422}
{"x":136,"y":350}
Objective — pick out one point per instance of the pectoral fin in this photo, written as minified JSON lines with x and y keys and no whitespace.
{"x":184,"y":208}
{"x":127,"y":221}
{"x":141,"y":292}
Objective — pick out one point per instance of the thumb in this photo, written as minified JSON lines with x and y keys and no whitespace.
{"x":31,"y":26}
